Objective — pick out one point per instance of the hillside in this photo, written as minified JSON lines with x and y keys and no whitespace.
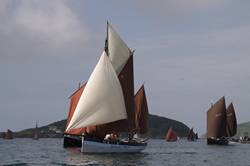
{"x":158,"y":127}
{"x":243,"y":127}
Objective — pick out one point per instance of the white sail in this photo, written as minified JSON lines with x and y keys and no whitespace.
{"x":118,"y":51}
{"x":102,"y":100}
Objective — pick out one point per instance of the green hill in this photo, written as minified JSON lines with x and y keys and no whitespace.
{"x":158,"y":127}
{"x":242,"y":128}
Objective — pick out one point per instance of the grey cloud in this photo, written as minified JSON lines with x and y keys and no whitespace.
{"x":47,"y":27}
{"x":178,"y":7}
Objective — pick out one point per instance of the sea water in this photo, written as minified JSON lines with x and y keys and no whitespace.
{"x":158,"y":152}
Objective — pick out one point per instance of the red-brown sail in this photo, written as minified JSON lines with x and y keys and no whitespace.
{"x":91,"y":130}
{"x":231,"y":121}
{"x":74,"y":98}
{"x":171,"y":136}
{"x":141,"y":111}
{"x":216,"y":120}
{"x":126,"y":78}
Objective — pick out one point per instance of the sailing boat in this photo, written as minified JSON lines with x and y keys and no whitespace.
{"x":171,"y":135}
{"x":36,"y":133}
{"x":221,"y":123}
{"x":8,"y":134}
{"x":105,"y":104}
{"x":196,"y":136}
{"x":191,"y":135}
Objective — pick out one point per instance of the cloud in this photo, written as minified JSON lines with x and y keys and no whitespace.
{"x":212,"y":42}
{"x":34,"y":26}
{"x":177,"y":7}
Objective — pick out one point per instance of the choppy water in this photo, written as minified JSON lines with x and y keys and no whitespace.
{"x":158,"y":152}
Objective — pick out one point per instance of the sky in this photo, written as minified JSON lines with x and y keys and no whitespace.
{"x":188,"y":54}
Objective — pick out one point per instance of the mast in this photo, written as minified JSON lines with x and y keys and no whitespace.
{"x":231,"y":121}
{"x":106,"y":47}
{"x":216,"y":119}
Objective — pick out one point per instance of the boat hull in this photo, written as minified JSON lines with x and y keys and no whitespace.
{"x":70,"y":142}
{"x":99,"y":147}
{"x":218,"y":141}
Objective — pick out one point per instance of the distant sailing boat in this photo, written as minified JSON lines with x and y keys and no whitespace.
{"x":191,"y":135}
{"x":221,"y":123}
{"x":106,"y":104}
{"x":8,"y":134}
{"x":196,"y":136}
{"x":36,"y":133}
{"x":171,"y":135}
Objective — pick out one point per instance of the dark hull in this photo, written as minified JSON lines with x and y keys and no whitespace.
{"x":218,"y":141}
{"x":70,"y":142}
{"x":76,"y":141}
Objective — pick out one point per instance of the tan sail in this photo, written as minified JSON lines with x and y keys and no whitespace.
{"x":141,"y":111}
{"x":231,"y":121}
{"x":216,"y":120}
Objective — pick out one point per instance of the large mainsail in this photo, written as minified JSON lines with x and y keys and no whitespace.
{"x":141,"y":111}
{"x":231,"y":121}
{"x":102,"y":100}
{"x":216,"y":119}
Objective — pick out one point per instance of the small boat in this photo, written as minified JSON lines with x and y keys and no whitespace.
{"x":221,"y":123}
{"x":171,"y":135}
{"x":36,"y":133}
{"x":196,"y":136}
{"x":104,"y":109}
{"x":191,"y":135}
{"x":245,"y":139}
{"x":8,"y":135}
